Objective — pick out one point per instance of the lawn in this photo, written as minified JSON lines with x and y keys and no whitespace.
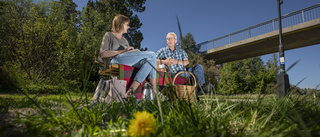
{"x":214,"y":115}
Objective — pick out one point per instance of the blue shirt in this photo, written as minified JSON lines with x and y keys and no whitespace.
{"x":177,"y":54}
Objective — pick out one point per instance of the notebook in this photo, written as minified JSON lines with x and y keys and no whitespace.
{"x":134,"y":50}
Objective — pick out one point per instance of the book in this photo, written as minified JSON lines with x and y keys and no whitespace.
{"x":134,"y":50}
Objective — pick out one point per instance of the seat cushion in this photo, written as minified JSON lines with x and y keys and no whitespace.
{"x":163,"y":78}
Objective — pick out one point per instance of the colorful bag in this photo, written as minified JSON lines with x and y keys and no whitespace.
{"x":110,"y":90}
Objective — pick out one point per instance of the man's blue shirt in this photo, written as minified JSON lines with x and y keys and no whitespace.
{"x":177,"y":54}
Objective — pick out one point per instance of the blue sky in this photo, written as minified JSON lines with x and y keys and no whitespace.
{"x":208,"y":19}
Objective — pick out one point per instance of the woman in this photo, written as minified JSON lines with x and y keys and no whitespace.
{"x":115,"y":47}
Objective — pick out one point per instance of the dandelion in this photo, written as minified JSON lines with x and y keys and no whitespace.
{"x":144,"y":124}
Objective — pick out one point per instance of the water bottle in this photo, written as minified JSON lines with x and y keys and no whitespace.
{"x":147,"y":92}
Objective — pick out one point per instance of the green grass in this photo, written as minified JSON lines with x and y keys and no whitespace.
{"x":240,"y":96}
{"x":216,"y":115}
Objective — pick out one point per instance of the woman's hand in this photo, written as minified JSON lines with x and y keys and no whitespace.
{"x":129,"y":48}
{"x":111,"y":53}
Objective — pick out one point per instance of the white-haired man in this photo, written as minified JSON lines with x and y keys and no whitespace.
{"x":176,"y":60}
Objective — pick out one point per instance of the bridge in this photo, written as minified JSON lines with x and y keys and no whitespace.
{"x":299,"y":29}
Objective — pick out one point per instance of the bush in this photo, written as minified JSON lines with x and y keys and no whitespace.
{"x":294,"y":90}
{"x":8,"y":82}
{"x":211,"y":72}
{"x":313,"y":92}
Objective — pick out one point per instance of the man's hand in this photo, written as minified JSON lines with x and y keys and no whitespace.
{"x":173,"y":61}
{"x":168,"y":62}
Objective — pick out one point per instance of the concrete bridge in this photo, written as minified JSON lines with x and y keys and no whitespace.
{"x":300,"y":29}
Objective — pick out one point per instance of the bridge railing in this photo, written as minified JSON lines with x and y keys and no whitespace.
{"x":291,"y":19}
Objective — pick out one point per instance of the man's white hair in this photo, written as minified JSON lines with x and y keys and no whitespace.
{"x":175,"y":36}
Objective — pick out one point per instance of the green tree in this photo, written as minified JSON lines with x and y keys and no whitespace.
{"x":4,"y":56}
{"x":107,"y":9}
{"x":189,"y":44}
{"x":243,"y":76}
{"x":23,"y":38}
{"x":64,"y":17}
{"x":230,"y":79}
{"x":38,"y":35}
{"x":210,"y":70}
{"x":271,"y":74}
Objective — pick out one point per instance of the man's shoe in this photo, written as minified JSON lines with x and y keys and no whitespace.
{"x":207,"y":87}
{"x":200,"y":92}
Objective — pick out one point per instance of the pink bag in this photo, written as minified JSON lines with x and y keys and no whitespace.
{"x":110,"y":90}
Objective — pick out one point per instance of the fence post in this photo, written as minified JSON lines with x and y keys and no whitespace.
{"x":273,"y":25}
{"x":302,"y":16}
{"x":213,"y":44}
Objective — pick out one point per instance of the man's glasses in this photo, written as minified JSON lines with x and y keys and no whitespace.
{"x":171,"y":39}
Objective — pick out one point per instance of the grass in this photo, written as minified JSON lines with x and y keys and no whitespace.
{"x":239,"y":96}
{"x":216,"y":115}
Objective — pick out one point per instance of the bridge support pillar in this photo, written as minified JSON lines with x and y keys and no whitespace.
{"x":283,"y":85}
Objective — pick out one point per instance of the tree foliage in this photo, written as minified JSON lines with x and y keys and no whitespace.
{"x":29,"y":40}
{"x":247,"y":76}
{"x":210,"y":70}
{"x":46,"y":41}
{"x":189,"y":44}
{"x":100,"y":14}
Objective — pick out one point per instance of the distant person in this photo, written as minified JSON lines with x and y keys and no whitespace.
{"x":115,"y":49}
{"x":176,"y":60}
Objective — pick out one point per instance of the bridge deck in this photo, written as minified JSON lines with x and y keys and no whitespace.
{"x":301,"y":35}
{"x":300,"y":29}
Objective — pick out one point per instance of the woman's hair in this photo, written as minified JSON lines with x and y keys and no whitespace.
{"x":175,"y":35}
{"x":118,"y":21}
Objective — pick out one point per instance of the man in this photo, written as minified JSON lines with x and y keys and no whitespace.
{"x":176,"y":60}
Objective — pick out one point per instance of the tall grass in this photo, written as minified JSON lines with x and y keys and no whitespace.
{"x":266,"y":116}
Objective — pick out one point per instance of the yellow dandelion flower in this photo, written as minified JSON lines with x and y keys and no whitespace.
{"x":144,"y":124}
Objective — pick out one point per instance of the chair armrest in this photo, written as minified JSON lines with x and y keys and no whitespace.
{"x":96,"y":60}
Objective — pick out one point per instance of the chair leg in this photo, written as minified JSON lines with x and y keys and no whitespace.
{"x":133,"y":87}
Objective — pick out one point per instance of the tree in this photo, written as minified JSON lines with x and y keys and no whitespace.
{"x":38,"y":35}
{"x":230,"y":78}
{"x":271,"y":74}
{"x":189,"y":44}
{"x":243,"y":76}
{"x":4,"y":56}
{"x":24,"y":36}
{"x":107,"y":9}
{"x":64,"y":16}
{"x":210,"y":70}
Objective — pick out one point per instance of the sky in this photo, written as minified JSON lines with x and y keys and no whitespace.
{"x":209,"y":19}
